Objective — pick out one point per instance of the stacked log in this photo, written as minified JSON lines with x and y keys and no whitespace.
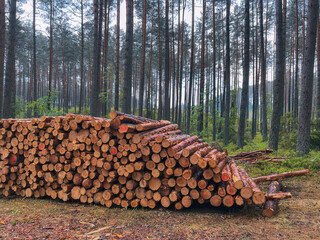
{"x":127,"y":161}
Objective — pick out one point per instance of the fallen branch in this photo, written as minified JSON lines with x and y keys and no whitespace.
{"x":281,"y":175}
{"x":278,"y":195}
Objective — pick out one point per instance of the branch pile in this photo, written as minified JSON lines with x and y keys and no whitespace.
{"x":128,"y":161}
{"x":255,"y":156}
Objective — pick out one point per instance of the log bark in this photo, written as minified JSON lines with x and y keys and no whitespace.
{"x":271,"y":206}
{"x":258,"y":196}
{"x":282,"y":175}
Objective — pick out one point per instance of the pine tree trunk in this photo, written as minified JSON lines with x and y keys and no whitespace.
{"x":167,"y":80}
{"x":142,"y":69}
{"x":81,"y":61}
{"x":214,"y":72}
{"x":10,"y":81}
{"x":307,"y":79}
{"x":160,"y":110}
{"x":126,"y":107}
{"x":178,"y":67}
{"x":181,"y":63}
{"x":278,"y":85}
{"x":318,"y":70}
{"x":35,"y":83}
{"x":95,"y":81}
{"x":201,"y":89}
{"x":116,"y":97}
{"x":254,"y":123}
{"x":263,"y":77}
{"x":284,"y":20}
{"x":148,"y":103}
{"x":227,"y":78}
{"x":2,"y":50}
{"x":245,"y":82}
{"x":296,"y":78}
{"x":104,"y":69}
{"x":191,"y":71}
{"x":172,"y":68}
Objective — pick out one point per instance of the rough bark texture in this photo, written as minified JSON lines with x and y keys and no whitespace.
{"x":318,"y":70}
{"x":263,"y":77}
{"x":200,"y":107}
{"x":307,"y":79}
{"x":116,"y":96}
{"x":281,"y":175}
{"x":160,"y":110}
{"x":214,"y":72}
{"x":35,"y":82}
{"x":2,"y":49}
{"x":142,"y":68}
{"x":50,"y":48}
{"x":271,"y":206}
{"x":278,"y":85}
{"x":245,"y":82}
{"x":126,"y":107}
{"x":81,"y":61}
{"x":296,"y":79}
{"x":227,"y":78}
{"x":167,"y":80}
{"x":96,"y":61}
{"x":10,"y":81}
{"x":191,"y":72}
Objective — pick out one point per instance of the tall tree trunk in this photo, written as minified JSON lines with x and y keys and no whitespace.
{"x":296,"y":78}
{"x":201,"y":89}
{"x":126,"y":107}
{"x":178,"y":67}
{"x":214,"y":72}
{"x":254,"y":121}
{"x":284,"y":20}
{"x":181,"y":63}
{"x":307,"y":79}
{"x":148,"y":103}
{"x":100,"y":79}
{"x":245,"y":83}
{"x":172,"y":66}
{"x":263,"y":77}
{"x":95,"y":81}
{"x":258,"y":64}
{"x":50,"y":50}
{"x":167,"y":80}
{"x":75,"y":90}
{"x":104,"y":68}
{"x":207,"y":88}
{"x":227,"y":103}
{"x":10,"y":80}
{"x":290,"y":77}
{"x":81,"y":61}
{"x":35,"y":83}
{"x":134,"y":98}
{"x":318,"y":70}
{"x":160,"y":110}
{"x":191,"y":71}
{"x":143,"y":62}
{"x":2,"y":49}
{"x":278,"y":85}
{"x":116,"y":96}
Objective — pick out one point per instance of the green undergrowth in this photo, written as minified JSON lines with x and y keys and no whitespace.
{"x":293,"y":161}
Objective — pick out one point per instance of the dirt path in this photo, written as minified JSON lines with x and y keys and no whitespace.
{"x":299,"y":218}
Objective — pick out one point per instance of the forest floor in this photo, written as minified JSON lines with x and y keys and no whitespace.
{"x":298,"y":218}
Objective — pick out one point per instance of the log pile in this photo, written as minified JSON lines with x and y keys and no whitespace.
{"x":127,"y":161}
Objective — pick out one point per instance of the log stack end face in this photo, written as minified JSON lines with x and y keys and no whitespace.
{"x":126,"y":161}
